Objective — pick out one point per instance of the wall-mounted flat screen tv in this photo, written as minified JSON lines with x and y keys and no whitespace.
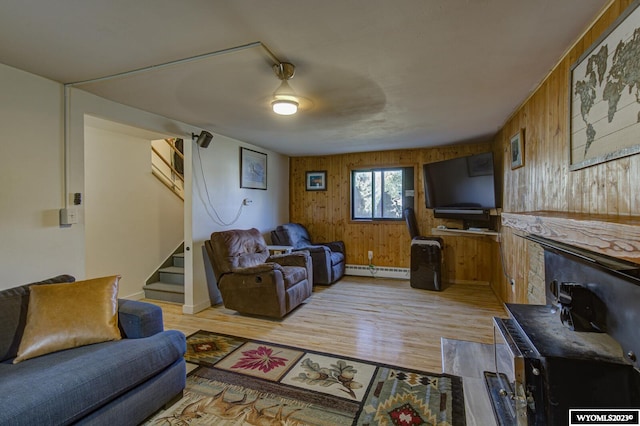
{"x":461,"y":188}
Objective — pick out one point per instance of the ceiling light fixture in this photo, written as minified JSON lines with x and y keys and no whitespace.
{"x":285,"y":101}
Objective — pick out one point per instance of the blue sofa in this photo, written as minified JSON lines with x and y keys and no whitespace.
{"x":119,"y":382}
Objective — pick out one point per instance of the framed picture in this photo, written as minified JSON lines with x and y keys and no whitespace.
{"x":253,"y":169}
{"x":517,"y":150}
{"x":316,"y":181}
{"x":603,"y":97}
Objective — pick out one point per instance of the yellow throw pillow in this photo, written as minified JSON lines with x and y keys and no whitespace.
{"x":63,"y":316}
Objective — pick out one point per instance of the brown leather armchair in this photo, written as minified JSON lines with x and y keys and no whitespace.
{"x":251,"y":281}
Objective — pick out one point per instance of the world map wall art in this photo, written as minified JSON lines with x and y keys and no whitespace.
{"x":605,"y":95}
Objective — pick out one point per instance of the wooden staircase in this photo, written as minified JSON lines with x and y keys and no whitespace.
{"x":167,"y":283}
{"x":167,"y":164}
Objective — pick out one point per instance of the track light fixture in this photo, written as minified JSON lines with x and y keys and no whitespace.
{"x":203,"y":139}
{"x":285,"y":101}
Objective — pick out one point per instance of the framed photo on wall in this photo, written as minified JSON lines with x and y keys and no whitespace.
{"x":316,"y":181}
{"x":517,"y":150}
{"x":253,"y":169}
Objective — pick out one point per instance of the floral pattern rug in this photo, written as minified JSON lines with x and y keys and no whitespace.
{"x":247,"y":382}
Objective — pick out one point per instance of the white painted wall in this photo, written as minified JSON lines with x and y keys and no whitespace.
{"x":124,"y":201}
{"x":35,"y":247}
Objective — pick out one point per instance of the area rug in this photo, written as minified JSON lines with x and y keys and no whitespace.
{"x":248,"y":382}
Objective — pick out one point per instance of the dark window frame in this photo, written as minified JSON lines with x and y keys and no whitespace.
{"x":408,"y":184}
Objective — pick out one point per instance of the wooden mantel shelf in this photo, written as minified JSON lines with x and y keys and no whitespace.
{"x":616,"y":236}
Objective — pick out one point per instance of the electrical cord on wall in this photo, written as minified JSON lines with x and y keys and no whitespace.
{"x":208,"y":205}
{"x":504,"y":269}
{"x":371,"y":267}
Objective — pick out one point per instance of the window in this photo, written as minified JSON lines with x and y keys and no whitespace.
{"x":381,"y":194}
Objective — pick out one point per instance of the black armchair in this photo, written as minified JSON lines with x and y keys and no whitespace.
{"x":328,"y":258}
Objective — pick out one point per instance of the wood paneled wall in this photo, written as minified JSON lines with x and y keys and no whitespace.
{"x":545,"y":182}
{"x":327,"y":213}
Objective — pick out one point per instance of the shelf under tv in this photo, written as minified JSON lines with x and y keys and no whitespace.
{"x":464,"y":232}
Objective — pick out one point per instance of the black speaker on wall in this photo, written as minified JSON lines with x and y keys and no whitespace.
{"x":204,"y":138}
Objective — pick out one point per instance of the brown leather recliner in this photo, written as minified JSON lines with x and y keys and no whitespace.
{"x":251,"y":281}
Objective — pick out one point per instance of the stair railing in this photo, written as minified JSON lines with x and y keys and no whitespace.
{"x":167,"y":164}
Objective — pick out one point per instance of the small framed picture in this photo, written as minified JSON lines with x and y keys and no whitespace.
{"x":253,"y":169}
{"x":317,"y":181}
{"x":517,"y":150}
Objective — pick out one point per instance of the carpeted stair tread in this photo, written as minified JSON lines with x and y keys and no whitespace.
{"x":172,"y":270}
{"x":168,"y":287}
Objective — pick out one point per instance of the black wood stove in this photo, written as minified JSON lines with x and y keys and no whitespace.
{"x":579,"y":351}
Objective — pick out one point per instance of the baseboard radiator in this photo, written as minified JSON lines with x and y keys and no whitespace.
{"x":377,"y":271}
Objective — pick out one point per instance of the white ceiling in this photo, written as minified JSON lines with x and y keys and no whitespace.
{"x":380,"y":74}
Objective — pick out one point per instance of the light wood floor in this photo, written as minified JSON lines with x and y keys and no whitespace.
{"x":378,"y":319}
